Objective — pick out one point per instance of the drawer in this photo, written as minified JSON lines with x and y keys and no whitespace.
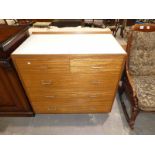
{"x":71,"y":81}
{"x":44,"y":58}
{"x":65,"y":97}
{"x":94,"y":69}
{"x":44,"y":69}
{"x":103,"y":64}
{"x":44,"y":90}
{"x":70,"y":109}
{"x":72,"y":103}
{"x":42,"y":65}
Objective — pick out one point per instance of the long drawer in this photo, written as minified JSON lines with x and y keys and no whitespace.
{"x":72,"y":100}
{"x":71,"y":81}
{"x":46,"y":101}
{"x":56,"y":95}
{"x":59,"y":109}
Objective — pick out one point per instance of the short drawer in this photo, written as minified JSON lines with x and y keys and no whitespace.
{"x":32,"y":65}
{"x":94,"y":69}
{"x":103,"y":62}
{"x":88,"y":65}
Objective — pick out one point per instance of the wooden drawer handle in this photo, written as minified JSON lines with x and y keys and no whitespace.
{"x":50,"y":96}
{"x":46,"y":82}
{"x":96,"y":67}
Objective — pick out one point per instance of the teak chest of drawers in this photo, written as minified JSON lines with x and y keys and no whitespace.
{"x":57,"y":80}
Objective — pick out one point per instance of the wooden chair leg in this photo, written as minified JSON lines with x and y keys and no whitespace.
{"x":121,"y":91}
{"x":122,"y":32}
{"x":134,"y":113}
{"x":134,"y":110}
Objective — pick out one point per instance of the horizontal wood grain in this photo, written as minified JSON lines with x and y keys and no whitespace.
{"x":56,"y":94}
{"x":71,"y":109}
{"x":97,"y":63}
{"x":104,"y":62}
{"x":43,"y":64}
{"x":70,"y":83}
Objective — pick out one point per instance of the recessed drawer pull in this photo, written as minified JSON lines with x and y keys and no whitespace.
{"x":43,"y":67}
{"x":92,"y":108}
{"x":46,"y":82}
{"x":93,"y":96}
{"x":96,"y":82}
{"x":73,"y":94}
{"x":51,"y":108}
{"x":51,"y":96}
{"x":96,"y":67}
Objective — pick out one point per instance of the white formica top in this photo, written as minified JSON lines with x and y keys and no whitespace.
{"x":70,"y":44}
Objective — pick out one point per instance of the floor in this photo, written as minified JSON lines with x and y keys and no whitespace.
{"x":113,"y":123}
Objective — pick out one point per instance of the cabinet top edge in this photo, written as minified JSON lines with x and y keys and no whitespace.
{"x":70,"y":44}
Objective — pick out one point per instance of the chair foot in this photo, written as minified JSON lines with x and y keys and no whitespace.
{"x":134,"y":113}
{"x":131,"y":124}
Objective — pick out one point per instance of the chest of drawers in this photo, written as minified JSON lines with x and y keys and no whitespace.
{"x":70,"y":83}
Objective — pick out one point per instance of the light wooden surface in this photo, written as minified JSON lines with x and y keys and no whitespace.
{"x":70,"y":83}
{"x":69,"y":30}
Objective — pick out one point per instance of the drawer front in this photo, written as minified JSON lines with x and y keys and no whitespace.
{"x":93,"y":69}
{"x":42,"y":64}
{"x":57,"y":96}
{"x":59,"y":102}
{"x":70,"y":109}
{"x":71,"y":102}
{"x":94,"y":65}
{"x":71,"y":81}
